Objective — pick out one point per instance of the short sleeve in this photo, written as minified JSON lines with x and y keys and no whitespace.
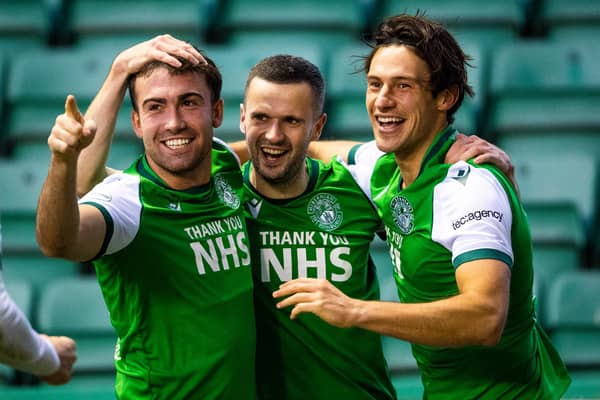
{"x":472,"y":216}
{"x":118,"y":199}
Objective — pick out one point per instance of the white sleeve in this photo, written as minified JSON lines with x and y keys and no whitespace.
{"x":20,"y":346}
{"x":361,"y":162}
{"x":117,"y":197}
{"x":472,"y":217}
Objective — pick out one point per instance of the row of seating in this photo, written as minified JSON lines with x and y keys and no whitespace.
{"x":201,"y":21}
{"x":516,"y":86}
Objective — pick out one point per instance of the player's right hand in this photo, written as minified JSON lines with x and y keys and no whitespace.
{"x":71,"y":133}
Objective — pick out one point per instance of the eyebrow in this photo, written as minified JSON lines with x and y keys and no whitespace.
{"x":162,"y":100}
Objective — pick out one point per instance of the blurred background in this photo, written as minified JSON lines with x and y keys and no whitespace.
{"x":536,"y":74}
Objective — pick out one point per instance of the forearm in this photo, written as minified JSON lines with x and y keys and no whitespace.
{"x":104,"y":110}
{"x":20,"y":346}
{"x":325,"y":149}
{"x":453,"y":322}
{"x":58,"y":213}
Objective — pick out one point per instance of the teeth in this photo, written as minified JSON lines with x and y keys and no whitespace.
{"x":177,"y":143}
{"x":273,"y":152}
{"x":388,"y":120}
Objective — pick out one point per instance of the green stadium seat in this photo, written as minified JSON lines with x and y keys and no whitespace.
{"x":235,"y":61}
{"x":408,"y":386}
{"x":489,"y":23}
{"x":126,"y":22}
{"x":346,"y":87}
{"x":75,"y":307}
{"x":329,"y":23}
{"x":40,"y":82}
{"x":563,"y":188}
{"x":573,"y":312}
{"x":570,"y":20}
{"x":36,"y":269}
{"x":585,"y":384}
{"x":544,"y":86}
{"x":551,"y":259}
{"x":20,"y":188}
{"x":24,"y":24}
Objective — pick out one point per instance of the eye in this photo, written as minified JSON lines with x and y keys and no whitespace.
{"x":403,"y":85}
{"x":153,"y":106}
{"x":292,"y":121}
{"x":374,"y":84}
{"x":259,"y":117}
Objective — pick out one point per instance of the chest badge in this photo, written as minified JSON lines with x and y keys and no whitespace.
{"x":325,"y":211}
{"x":402,"y":212}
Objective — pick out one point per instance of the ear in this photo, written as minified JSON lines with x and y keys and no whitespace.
{"x":447,"y":98}
{"x":242,"y":118}
{"x":217,"y":113}
{"x":137,"y":124}
{"x":318,"y":128}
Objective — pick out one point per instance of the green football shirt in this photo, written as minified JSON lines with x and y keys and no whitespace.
{"x":175,"y":274}
{"x":449,"y":215}
{"x":323,"y":233}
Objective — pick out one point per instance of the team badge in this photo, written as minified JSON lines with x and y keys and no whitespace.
{"x":325,"y":211}
{"x":226,"y":193}
{"x":403,"y":214}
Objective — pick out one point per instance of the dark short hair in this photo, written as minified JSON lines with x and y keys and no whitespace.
{"x":432,"y":42}
{"x":284,"y":69}
{"x":208,"y":69}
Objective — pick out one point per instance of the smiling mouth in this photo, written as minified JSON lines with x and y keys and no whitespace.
{"x":272,"y":153}
{"x":389,"y":121}
{"x":177,"y":143}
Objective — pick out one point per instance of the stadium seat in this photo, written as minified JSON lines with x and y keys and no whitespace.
{"x":25,"y":24}
{"x":329,"y":23}
{"x":346,"y":87}
{"x":570,"y":20}
{"x":37,"y":269}
{"x":544,"y":86}
{"x":40,"y":82}
{"x":573,"y":312}
{"x":559,"y":192}
{"x":234,"y":62}
{"x":490,"y":23}
{"x":75,"y":307}
{"x":20,"y":188}
{"x":126,"y":22}
{"x":551,"y":259}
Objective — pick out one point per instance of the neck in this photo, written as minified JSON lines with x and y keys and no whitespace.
{"x":289,"y":189}
{"x":410,"y":163}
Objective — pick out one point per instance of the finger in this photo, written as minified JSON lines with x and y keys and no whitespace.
{"x":293,"y":286}
{"x":295,"y":299}
{"x":299,"y":309}
{"x":72,"y":111}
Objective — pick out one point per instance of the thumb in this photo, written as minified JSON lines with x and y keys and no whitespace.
{"x":72,"y":111}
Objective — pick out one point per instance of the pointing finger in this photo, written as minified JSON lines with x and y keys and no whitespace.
{"x":72,"y":111}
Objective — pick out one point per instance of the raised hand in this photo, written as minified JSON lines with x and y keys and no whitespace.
{"x":161,"y":48}
{"x":71,"y":133}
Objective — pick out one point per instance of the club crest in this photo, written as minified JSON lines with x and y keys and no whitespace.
{"x":403,"y":215}
{"x":226,"y":193}
{"x":325,"y":211}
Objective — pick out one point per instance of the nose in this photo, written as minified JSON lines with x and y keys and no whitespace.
{"x":174,"y":120}
{"x":274,"y":133}
{"x":384,"y":98}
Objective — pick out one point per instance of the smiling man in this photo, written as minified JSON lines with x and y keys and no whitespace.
{"x":167,"y":236}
